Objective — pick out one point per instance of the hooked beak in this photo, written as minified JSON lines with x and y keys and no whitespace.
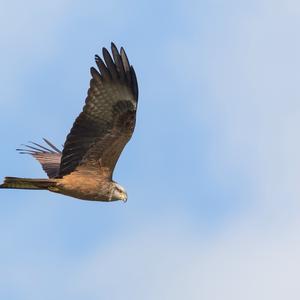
{"x":124,"y":198}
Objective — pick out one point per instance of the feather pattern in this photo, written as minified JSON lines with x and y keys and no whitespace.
{"x":49,"y":158}
{"x":107,"y":121}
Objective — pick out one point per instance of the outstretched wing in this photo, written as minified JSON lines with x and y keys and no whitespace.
{"x":49,"y":158}
{"x":107,"y":121}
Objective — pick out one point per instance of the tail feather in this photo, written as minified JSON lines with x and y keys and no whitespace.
{"x":27,"y":183}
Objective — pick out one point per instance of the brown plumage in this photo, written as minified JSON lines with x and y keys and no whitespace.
{"x":85,"y":167}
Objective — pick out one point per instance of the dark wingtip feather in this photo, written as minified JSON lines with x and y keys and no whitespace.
{"x":118,"y":61}
{"x":42,"y":147}
{"x":125,"y":60}
{"x":113,"y":45}
{"x":110,"y":63}
{"x":102,"y":68}
{"x":95,"y":74}
{"x":134,"y":83}
{"x":126,"y":65}
{"x":51,"y":145}
{"x":115,"y":66}
{"x":37,"y":148}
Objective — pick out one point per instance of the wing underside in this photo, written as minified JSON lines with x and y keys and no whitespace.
{"x":49,"y":157}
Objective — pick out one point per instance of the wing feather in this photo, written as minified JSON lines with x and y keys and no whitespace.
{"x":126,"y":66}
{"x":118,"y":61}
{"x":106,"y":123}
{"x":49,"y":158}
{"x":110,"y":64}
{"x":102,"y":67}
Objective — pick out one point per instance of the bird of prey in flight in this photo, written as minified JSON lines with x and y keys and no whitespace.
{"x":85,"y":166}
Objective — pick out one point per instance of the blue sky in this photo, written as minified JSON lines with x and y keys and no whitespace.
{"x":212,"y":171}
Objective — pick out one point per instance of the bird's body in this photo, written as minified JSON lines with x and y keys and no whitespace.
{"x":85,"y":166}
{"x":93,"y":188}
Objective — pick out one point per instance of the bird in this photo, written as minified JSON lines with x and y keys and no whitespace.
{"x":84,"y":168}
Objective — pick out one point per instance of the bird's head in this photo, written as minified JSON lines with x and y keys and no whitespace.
{"x":118,"y":193}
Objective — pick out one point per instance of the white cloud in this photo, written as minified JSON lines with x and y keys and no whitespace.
{"x":238,"y":263}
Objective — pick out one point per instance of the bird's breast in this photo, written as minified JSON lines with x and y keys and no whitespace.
{"x":84,"y":187}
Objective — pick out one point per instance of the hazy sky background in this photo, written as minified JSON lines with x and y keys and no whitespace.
{"x":212,"y":171}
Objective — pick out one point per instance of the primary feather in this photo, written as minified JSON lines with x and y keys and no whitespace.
{"x":107,"y":121}
{"x":48,"y":158}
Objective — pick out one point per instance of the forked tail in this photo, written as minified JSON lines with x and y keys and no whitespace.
{"x":27,"y":183}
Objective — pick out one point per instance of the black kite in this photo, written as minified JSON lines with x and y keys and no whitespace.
{"x":85,"y":167}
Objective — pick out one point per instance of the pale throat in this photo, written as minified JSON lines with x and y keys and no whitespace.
{"x":119,"y":187}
